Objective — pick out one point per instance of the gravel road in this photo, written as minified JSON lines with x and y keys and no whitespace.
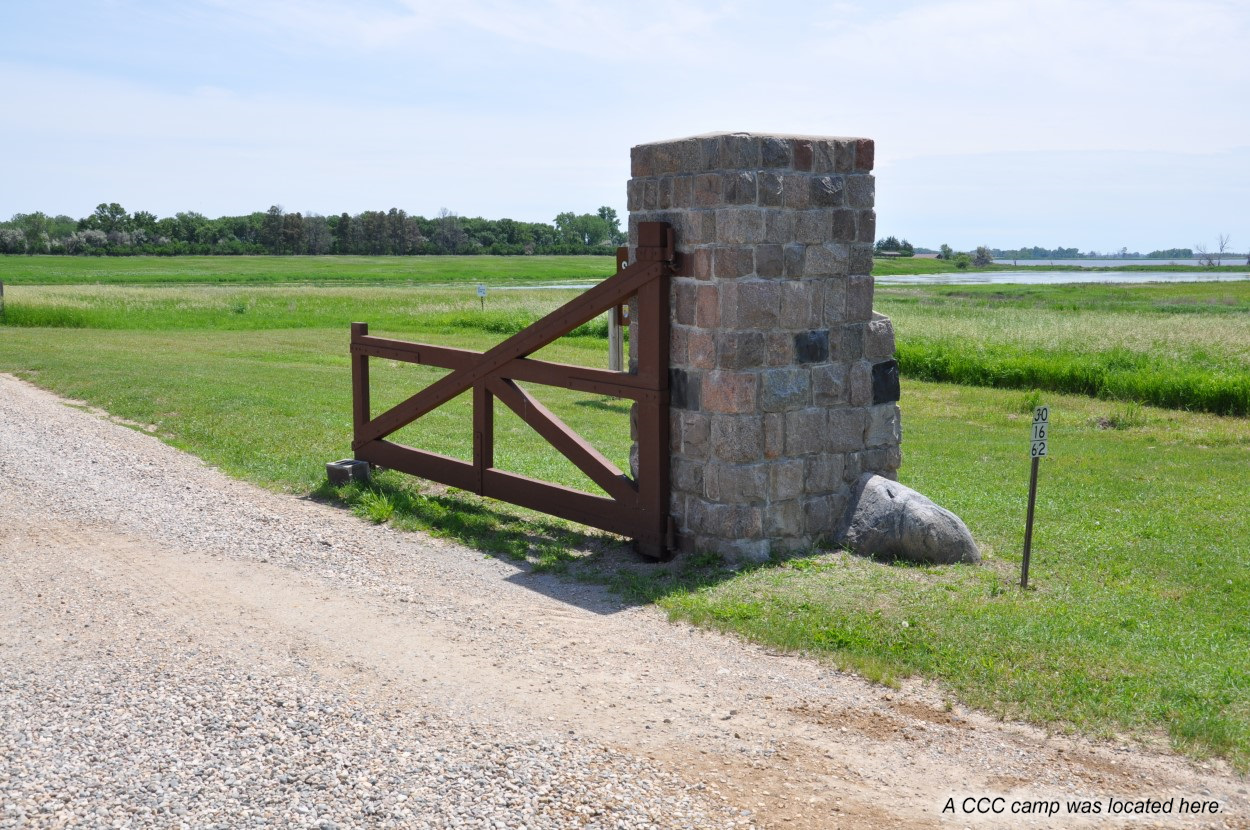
{"x":180,"y":649}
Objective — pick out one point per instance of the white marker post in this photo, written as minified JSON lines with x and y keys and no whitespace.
{"x":481,"y":295}
{"x":1037,"y":449}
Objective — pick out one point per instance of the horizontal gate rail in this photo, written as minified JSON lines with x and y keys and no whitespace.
{"x":634,"y":507}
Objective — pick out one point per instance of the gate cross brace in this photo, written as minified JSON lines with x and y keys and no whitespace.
{"x":564,"y":319}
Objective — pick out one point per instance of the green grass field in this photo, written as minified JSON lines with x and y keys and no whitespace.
{"x":72,"y":270}
{"x":1137,"y":619}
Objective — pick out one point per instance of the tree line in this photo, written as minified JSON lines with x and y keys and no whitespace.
{"x":112,"y":231}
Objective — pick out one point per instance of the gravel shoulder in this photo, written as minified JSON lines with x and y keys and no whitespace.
{"x":178,"y":648}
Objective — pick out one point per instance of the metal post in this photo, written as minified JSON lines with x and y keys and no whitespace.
{"x":1028,"y":525}
{"x":616,"y":340}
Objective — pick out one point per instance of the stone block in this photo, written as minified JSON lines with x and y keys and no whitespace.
{"x":738,"y":438}
{"x":848,"y":342}
{"x":641,"y":160}
{"x":811,"y":226}
{"x":707,"y":306}
{"x":687,"y":474}
{"x":829,"y":259}
{"x":678,"y":345}
{"x":846,"y":156}
{"x":740,"y":349}
{"x":861,"y":259}
{"x":732,"y":261}
{"x":733,"y":392}
{"x":861,"y":383}
{"x":709,"y":153}
{"x":696,"y":432}
{"x":784,"y":389}
{"x":867,"y":222}
{"x":778,"y":348}
{"x":769,"y":261}
{"x":683,"y":301}
{"x":683,"y":191}
{"x":736,"y":483}
{"x":709,"y":190}
{"x":784,"y":518}
{"x":774,"y":434}
{"x":701,"y":226}
{"x":826,"y":191}
{"x":676,"y":156}
{"x":775,"y":152}
{"x":833,"y":301}
{"x":801,"y":153}
{"x":769,"y":189}
{"x":796,"y":191}
{"x":822,"y":514}
{"x":664,"y":189}
{"x":883,"y":427}
{"x":739,"y":225}
{"x":758,"y":304}
{"x":811,"y":346}
{"x":806,"y":431}
{"x":859,"y":191}
{"x":633,"y":194}
{"x":701,"y":263}
{"x":879,"y":340}
{"x":795,"y":255}
{"x":845,"y":429}
{"x":802,"y":304}
{"x":844,"y":227}
{"x":829,"y":385}
{"x":825,"y":156}
{"x":859,"y":298}
{"x":650,"y":194}
{"x":684,"y":389}
{"x":737,"y":550}
{"x":823,"y":473}
{"x":740,"y":188}
{"x":885,"y":386}
{"x":865,"y":151}
{"x":779,"y":225}
{"x":786,"y":479}
{"x":700,"y":349}
{"x":734,"y":521}
{"x":851,"y":466}
{"x":739,"y":151}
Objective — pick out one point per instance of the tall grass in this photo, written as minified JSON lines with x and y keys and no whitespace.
{"x":1115,"y":373}
{"x":1176,"y":346}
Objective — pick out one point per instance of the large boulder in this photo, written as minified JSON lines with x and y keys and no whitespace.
{"x":888,"y":520}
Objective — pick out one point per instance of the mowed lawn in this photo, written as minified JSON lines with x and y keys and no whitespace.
{"x":1141,"y":570}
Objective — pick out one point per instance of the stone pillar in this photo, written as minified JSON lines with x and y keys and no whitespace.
{"x":783,"y":383}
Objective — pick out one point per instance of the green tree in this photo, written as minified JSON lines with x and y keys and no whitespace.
{"x":271,"y":229}
{"x":109,"y":218}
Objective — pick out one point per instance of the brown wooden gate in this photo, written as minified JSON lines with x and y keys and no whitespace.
{"x":637,"y":508}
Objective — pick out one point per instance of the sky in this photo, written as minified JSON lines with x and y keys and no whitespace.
{"x":1096,"y":124}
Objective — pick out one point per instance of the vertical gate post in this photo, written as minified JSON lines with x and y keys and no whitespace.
{"x":783,"y":385}
{"x":360,"y":380}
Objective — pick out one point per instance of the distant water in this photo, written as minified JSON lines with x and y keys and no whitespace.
{"x":1039,"y":277}
{"x":1031,"y":276}
{"x":1229,"y":259}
